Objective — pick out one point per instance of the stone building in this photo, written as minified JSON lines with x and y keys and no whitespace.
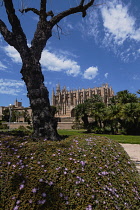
{"x":18,"y":109}
{"x":65,"y":101}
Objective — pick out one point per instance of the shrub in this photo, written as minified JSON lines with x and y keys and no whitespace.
{"x":3,"y":126}
{"x":78,"y":173}
{"x":22,"y":128}
{"x":21,"y":131}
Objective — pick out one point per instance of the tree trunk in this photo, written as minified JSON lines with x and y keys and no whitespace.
{"x":44,"y":124}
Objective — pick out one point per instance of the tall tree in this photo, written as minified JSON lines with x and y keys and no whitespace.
{"x":44,"y":123}
{"x":93,"y":108}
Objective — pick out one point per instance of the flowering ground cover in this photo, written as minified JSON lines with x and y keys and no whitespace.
{"x":78,"y":173}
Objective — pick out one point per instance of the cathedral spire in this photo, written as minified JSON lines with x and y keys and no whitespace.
{"x":58,"y":88}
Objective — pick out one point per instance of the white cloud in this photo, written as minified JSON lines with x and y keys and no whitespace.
{"x":67,"y":53}
{"x":136,"y":77}
{"x":113,"y":26}
{"x":106,"y":75}
{"x":49,"y":61}
{"x":70,"y":26}
{"x":2,"y":66}
{"x":10,"y":87}
{"x":53,"y":62}
{"x":12,"y":53}
{"x":90,"y":73}
{"x":118,"y":23}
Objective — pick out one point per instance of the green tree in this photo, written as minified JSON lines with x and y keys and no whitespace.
{"x":5,"y":115}
{"x":91,"y":108}
{"x":82,"y":113}
{"x":44,"y":124}
{"x":97,"y":113}
{"x":112,"y":117}
{"x":130,"y":114}
{"x":123,"y":112}
{"x":125,"y":96}
{"x":26,"y":116}
{"x":138,"y":91}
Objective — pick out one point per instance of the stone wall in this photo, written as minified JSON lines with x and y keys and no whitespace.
{"x":61,"y":125}
{"x":15,"y":125}
{"x":65,"y":125}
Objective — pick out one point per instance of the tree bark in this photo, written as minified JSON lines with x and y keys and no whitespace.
{"x":44,"y":124}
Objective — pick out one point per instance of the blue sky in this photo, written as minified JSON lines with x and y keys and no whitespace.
{"x":102,"y":48}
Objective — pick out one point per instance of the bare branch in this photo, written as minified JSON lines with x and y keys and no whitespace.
{"x":37,"y":12}
{"x":43,"y":9}
{"x":13,"y":20}
{"x":82,"y":2}
{"x":80,"y":8}
{"x":58,"y":27}
{"x":7,"y":35}
{"x":30,"y":9}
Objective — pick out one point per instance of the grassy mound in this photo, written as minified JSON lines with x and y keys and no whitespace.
{"x":81,"y":173}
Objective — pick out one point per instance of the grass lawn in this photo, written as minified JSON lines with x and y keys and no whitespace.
{"x":127,"y":139}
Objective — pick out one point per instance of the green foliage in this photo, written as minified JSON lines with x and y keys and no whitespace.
{"x":21,"y":131}
{"x":92,"y":107}
{"x":122,"y":115}
{"x":26,"y":116}
{"x":5,"y":115}
{"x":3,"y":126}
{"x":81,"y":172}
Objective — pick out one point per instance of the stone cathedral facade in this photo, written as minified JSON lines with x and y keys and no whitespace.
{"x":65,"y":101}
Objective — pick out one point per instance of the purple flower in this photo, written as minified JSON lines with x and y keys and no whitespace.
{"x":18,"y":201}
{"x":34,"y":190}
{"x":50,"y":183}
{"x":89,"y":207}
{"x":30,"y":201}
{"x":41,"y":201}
{"x":104,"y":173}
{"x":16,"y":207}
{"x":61,"y":195}
{"x":44,"y":195}
{"x":66,"y":198}
{"x":83,"y":163}
{"x":21,"y":186}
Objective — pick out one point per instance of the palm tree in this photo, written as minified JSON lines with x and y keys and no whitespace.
{"x":97,"y":112}
{"x":124,"y":97}
{"x":112,"y":117}
{"x":82,"y":112}
{"x":138,"y":91}
{"x":131,"y":118}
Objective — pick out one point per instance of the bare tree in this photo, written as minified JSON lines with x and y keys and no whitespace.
{"x":44,"y":123}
